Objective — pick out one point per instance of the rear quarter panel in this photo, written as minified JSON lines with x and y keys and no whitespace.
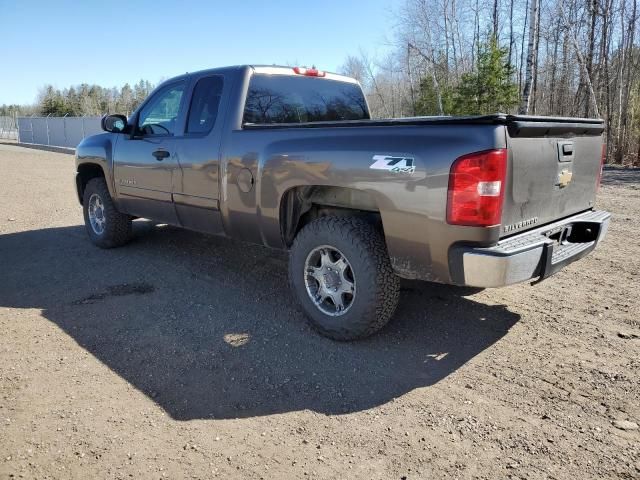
{"x":412,"y":206}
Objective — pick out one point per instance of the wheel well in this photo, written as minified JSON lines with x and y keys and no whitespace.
{"x":86,"y":172}
{"x":301,"y":205}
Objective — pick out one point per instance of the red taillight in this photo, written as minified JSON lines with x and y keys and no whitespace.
{"x":476,"y":188}
{"x":309,"y":72}
{"x":603,"y":159}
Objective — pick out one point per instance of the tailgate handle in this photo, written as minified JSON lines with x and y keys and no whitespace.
{"x":565,"y":151}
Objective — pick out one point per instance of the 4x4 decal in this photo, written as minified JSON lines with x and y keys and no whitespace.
{"x":393,"y":164}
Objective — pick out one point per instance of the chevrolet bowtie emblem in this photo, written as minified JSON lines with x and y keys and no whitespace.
{"x":564,"y":178}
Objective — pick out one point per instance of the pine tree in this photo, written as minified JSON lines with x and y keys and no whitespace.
{"x":72,"y":101}
{"x":490,"y":88}
{"x":125,"y":102}
{"x":52,"y":102}
{"x":141,"y":91}
{"x":427,"y":101}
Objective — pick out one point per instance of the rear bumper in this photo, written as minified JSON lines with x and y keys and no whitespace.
{"x":537,"y":253}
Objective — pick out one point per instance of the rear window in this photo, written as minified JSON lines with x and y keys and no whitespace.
{"x":289,"y":99}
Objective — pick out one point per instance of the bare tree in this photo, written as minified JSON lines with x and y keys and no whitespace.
{"x":434,"y":78}
{"x":531,"y":57}
{"x":583,"y":63}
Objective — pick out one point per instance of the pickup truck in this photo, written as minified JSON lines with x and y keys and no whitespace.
{"x":289,"y":158}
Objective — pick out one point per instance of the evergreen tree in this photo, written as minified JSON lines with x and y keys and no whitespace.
{"x":124,"y":104}
{"x":427,"y":101}
{"x":141,"y":91}
{"x":490,"y":88}
{"x":72,"y":101}
{"x":52,"y":102}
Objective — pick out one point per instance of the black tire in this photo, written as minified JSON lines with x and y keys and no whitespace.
{"x":376,"y":286}
{"x":117,"y":226}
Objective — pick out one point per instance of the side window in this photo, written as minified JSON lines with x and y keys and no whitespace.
{"x":159,"y":115}
{"x":203,"y":110}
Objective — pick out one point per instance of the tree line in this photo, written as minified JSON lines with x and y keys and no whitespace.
{"x":572,"y":58}
{"x":92,"y":99}
{"x":83,"y":100}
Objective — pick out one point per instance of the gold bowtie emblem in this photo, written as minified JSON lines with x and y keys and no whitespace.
{"x":565,"y":177}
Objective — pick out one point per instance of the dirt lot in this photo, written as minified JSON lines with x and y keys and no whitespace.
{"x":185,"y":356}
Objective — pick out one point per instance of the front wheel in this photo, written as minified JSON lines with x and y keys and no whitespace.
{"x":105,"y":225}
{"x":339,"y":269}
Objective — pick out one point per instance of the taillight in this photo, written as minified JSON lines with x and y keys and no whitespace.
{"x":603,"y":159}
{"x":309,"y":72}
{"x":476,"y":188}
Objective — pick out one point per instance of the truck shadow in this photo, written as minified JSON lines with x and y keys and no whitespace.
{"x":207,"y":327}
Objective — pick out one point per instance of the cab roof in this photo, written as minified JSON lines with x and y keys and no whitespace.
{"x":271,"y":70}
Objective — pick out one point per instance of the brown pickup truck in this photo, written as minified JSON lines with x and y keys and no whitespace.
{"x":289,"y":158}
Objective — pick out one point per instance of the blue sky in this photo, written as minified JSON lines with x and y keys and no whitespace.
{"x":65,"y":42}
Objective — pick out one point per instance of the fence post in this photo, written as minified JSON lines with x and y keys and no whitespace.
{"x":31,"y":122}
{"x":64,"y":129}
{"x":46,"y":122}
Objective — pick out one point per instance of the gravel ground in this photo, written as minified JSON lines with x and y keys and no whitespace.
{"x":185,"y":356}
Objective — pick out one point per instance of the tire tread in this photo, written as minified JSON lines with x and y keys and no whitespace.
{"x":369,"y":243}
{"x":118,"y":226}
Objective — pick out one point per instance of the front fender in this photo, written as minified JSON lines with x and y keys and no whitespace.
{"x":98,"y":150}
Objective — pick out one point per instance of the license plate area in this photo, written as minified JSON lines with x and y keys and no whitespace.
{"x":569,"y":242}
{"x":576,"y":232}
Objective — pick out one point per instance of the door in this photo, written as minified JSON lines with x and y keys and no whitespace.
{"x":196,"y":185}
{"x":145,"y":162}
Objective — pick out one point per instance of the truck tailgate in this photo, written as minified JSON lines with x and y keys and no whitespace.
{"x":553,"y":170}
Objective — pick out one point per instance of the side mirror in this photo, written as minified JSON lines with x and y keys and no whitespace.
{"x":114,"y":123}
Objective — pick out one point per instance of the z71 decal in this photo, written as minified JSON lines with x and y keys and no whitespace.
{"x":393,"y":164}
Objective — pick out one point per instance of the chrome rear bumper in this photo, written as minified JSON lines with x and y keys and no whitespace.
{"x":537,"y":253}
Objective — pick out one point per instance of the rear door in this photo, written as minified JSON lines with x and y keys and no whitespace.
{"x":554,"y":170}
{"x":196,"y":184}
{"x":145,"y":164}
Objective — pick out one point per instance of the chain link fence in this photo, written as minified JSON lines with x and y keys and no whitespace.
{"x":8,"y":128}
{"x":56,"y":131}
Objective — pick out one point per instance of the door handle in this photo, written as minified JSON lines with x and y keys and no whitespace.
{"x":160,"y":154}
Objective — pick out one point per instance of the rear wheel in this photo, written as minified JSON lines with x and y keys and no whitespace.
{"x":339,"y":269}
{"x":105,"y":225}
